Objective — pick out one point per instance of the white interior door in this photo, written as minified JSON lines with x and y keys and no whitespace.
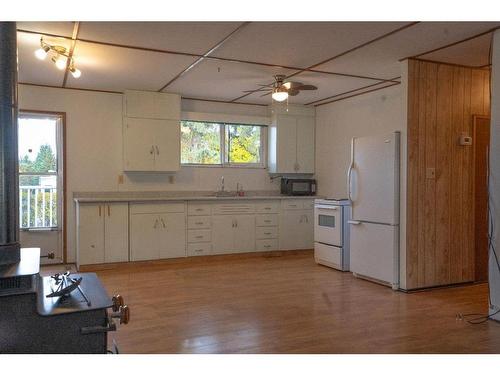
{"x":374,"y":251}
{"x":375,"y":179}
{"x":116,"y":232}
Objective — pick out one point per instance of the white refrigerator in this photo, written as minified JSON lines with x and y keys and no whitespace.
{"x":373,"y":189}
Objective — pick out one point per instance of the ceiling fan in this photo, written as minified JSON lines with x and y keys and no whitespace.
{"x":280,"y":90}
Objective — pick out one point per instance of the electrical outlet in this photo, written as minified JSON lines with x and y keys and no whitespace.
{"x":430,"y":173}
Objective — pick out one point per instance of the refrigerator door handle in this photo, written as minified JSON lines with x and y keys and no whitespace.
{"x":354,"y":222}
{"x":349,"y":172}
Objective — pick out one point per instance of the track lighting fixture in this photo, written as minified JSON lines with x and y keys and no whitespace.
{"x":60,"y":57}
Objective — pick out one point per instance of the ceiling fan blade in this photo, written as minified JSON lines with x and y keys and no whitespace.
{"x":269,"y":85}
{"x":292,"y":85}
{"x":307,"y":87}
{"x":293,"y":92}
{"x":258,"y":90}
{"x":266,"y":94}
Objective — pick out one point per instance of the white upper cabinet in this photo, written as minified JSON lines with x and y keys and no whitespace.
{"x":291,"y":140}
{"x":155,"y":105}
{"x":151,"y":132}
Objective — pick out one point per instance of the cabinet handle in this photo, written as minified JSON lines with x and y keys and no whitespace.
{"x":156,"y":224}
{"x":99,"y":210}
{"x":301,"y":218}
{"x":267,"y":233}
{"x":199,"y":209}
{"x":236,"y":223}
{"x":199,"y":236}
{"x":162,"y":222}
{"x":109,"y":211}
{"x":267,"y":246}
{"x":267,"y":221}
{"x":152,"y":151}
{"x":267,"y":208}
{"x":199,"y":250}
{"x":199,"y":223}
{"x":157,"y":150}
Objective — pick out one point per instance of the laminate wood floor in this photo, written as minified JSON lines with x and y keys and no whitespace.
{"x":288,"y":304}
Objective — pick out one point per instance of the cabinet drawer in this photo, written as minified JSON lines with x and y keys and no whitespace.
{"x":266,"y":220}
{"x":199,"y":209}
{"x":203,"y":248}
{"x":199,"y":222}
{"x":308,"y":204}
{"x":263,"y":233}
{"x":297,"y":204}
{"x":266,"y":245}
{"x":271,"y":207}
{"x":234,"y":208}
{"x":156,"y":208}
{"x":202,"y":235}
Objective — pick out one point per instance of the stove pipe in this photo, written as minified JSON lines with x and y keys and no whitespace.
{"x":9,"y":185}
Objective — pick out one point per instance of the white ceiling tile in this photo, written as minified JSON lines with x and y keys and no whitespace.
{"x":474,"y":52}
{"x":223,"y":80}
{"x":56,"y":28}
{"x":117,"y":69}
{"x":300,"y":44}
{"x":381,"y":59}
{"x":190,"y":37}
{"x":33,"y":70}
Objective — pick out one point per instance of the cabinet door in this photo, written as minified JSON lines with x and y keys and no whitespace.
{"x":287,"y":144}
{"x":244,"y":233}
{"x":138,"y":145}
{"x":172,"y":231}
{"x":90,"y":234}
{"x":144,"y":236}
{"x":306,"y":237}
{"x":222,"y":234}
{"x":290,"y":229}
{"x":116,"y":232}
{"x":167,"y":145}
{"x":305,"y":144}
{"x":146,"y":104}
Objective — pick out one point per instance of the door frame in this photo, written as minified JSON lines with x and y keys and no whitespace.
{"x":474,"y":132}
{"x":62,"y":115}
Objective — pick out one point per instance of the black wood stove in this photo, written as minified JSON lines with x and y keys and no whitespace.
{"x":62,"y":313}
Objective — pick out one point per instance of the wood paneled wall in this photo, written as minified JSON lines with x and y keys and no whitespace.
{"x":440,"y":209}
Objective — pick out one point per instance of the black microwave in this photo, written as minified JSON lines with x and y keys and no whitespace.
{"x":296,"y":186}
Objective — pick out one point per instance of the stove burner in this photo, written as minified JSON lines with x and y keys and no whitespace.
{"x":66,"y":285}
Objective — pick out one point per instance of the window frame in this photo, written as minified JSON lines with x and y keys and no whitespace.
{"x":224,"y":161}
{"x":60,"y":168}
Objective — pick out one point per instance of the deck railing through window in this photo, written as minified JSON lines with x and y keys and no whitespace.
{"x":38,"y":207}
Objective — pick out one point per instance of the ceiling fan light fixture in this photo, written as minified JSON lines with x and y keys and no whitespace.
{"x":280,"y":94}
{"x":75,"y":72}
{"x":41,"y":53}
{"x":60,"y":62}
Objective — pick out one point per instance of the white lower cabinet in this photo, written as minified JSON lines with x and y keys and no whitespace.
{"x":157,"y":235}
{"x":233,"y":234}
{"x":102,"y":233}
{"x":296,"y":225}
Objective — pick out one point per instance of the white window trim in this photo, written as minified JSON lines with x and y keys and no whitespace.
{"x":222,"y":139}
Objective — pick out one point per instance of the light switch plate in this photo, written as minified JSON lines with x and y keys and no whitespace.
{"x":430,"y":173}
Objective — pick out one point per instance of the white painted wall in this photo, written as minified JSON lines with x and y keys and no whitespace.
{"x":382,"y":111}
{"x":494,"y":273}
{"x":94,"y":148}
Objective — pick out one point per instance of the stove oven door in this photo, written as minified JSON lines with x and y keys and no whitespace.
{"x":328,"y":224}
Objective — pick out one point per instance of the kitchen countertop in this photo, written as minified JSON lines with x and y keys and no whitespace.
{"x":142,"y":196}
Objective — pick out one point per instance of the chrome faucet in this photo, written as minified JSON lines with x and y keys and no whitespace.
{"x":222,"y":184}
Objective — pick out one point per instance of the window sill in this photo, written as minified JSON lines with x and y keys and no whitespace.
{"x":236,"y":166}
